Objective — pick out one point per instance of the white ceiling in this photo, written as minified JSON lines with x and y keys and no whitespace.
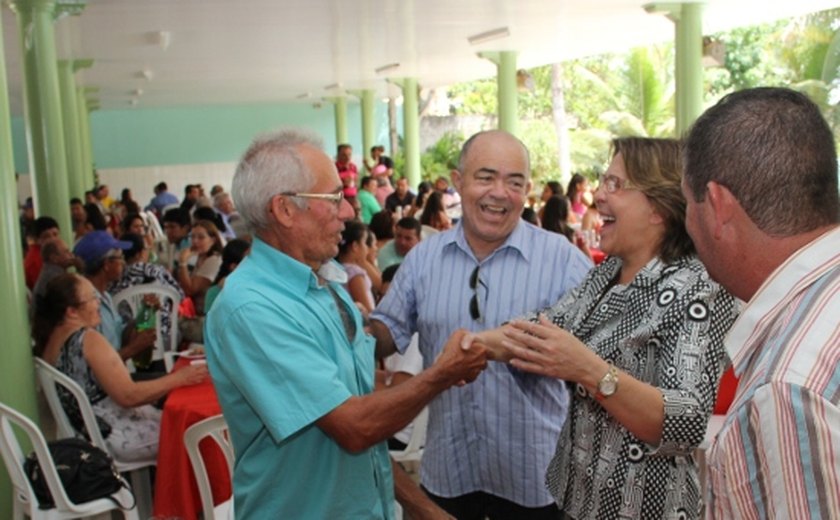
{"x":256,"y":51}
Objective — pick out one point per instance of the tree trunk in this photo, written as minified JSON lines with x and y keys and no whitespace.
{"x":393,"y":136}
{"x":561,"y":124}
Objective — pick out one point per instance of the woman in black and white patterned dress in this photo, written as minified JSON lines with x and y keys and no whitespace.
{"x":65,"y":337}
{"x":640,"y":343}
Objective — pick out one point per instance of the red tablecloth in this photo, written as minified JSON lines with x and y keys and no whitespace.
{"x":598,"y":256}
{"x":176,"y":492}
{"x":726,"y":391}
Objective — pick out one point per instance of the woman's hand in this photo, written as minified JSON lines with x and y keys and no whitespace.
{"x":492,"y":340}
{"x":184,"y":255}
{"x":545,"y":349}
{"x":192,"y":374}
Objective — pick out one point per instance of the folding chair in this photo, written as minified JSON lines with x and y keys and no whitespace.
{"x":414,"y":450}
{"x":132,"y":296}
{"x":140,"y":478}
{"x":24,"y":500}
{"x":216,"y":428}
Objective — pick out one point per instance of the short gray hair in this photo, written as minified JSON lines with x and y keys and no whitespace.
{"x":271,"y":165}
{"x":219,"y":198}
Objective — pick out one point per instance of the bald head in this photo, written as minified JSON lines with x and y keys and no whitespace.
{"x":491,"y":136}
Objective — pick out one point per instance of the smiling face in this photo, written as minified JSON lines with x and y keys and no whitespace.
{"x":493,"y":188}
{"x":632,"y":229}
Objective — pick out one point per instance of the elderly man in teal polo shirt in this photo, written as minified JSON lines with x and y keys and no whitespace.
{"x":291,"y":362}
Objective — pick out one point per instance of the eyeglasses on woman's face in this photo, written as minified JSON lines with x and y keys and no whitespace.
{"x":612,"y":183}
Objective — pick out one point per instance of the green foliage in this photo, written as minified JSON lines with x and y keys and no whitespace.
{"x":442,"y":157}
{"x":541,"y":139}
{"x":746,"y":64}
{"x":613,"y":95}
{"x":474,"y":97}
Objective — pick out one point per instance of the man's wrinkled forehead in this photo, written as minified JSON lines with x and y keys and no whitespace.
{"x":492,"y":152}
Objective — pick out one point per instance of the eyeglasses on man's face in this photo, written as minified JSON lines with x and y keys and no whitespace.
{"x":336,"y":198}
{"x":612,"y":184}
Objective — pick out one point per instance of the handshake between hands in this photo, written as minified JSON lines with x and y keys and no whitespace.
{"x":465,"y":354}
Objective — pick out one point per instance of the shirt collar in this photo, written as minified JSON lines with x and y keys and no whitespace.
{"x":517,"y":240}
{"x":796,"y":274}
{"x":297,"y":275}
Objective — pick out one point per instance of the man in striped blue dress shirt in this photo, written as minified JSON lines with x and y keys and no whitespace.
{"x":488,"y":443}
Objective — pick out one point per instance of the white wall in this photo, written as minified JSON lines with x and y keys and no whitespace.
{"x":141,"y":181}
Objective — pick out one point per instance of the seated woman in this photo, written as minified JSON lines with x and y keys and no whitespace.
{"x":136,"y":224}
{"x":640,"y":342}
{"x":206,"y":246}
{"x":65,"y":337}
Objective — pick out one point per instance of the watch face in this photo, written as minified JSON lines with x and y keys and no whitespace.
{"x":607,"y":387}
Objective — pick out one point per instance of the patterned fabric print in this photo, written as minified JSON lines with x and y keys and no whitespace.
{"x":140,"y":273}
{"x":776,"y":455}
{"x":665,"y":328}
{"x":131,"y":433}
{"x":136,"y":430}
{"x":72,"y":363}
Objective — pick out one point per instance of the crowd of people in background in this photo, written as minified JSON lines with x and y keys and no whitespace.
{"x":604,"y":309}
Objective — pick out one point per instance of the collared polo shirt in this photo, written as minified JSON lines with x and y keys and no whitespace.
{"x":280,"y":360}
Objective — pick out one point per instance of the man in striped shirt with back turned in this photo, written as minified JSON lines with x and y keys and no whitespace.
{"x":763,"y":210}
{"x":489,"y":443}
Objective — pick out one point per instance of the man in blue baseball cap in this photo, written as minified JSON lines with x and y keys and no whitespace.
{"x":104,"y":263}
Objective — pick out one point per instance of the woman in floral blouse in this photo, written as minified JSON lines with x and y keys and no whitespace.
{"x":640,"y":343}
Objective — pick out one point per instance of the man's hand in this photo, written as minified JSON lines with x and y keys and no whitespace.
{"x":458,"y":365}
{"x":491,"y":340}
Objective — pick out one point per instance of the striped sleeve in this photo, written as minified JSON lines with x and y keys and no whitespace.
{"x":789,"y":447}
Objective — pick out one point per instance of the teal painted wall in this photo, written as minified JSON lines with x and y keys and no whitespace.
{"x":195,"y":135}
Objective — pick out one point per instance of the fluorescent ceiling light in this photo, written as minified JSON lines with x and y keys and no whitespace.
{"x":387,"y":68}
{"x":146,"y":74}
{"x":486,"y":36}
{"x":333,"y":86}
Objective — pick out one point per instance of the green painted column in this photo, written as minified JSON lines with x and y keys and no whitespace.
{"x":92,"y":106}
{"x":84,"y":141}
{"x":340,"y":108}
{"x":368,"y":99}
{"x":17,"y":381}
{"x":50,"y":186}
{"x":72,"y":138}
{"x":508,"y":96}
{"x":688,"y":29}
{"x":411,"y":129}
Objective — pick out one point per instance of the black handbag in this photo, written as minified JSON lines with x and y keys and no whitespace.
{"x":86,"y":472}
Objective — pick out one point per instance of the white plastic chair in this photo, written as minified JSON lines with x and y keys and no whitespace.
{"x":24,"y":500}
{"x":414,"y":449}
{"x":140,"y":478}
{"x":133,"y":295}
{"x":214,"y":427}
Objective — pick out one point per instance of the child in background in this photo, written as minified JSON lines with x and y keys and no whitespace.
{"x":353,"y":255}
